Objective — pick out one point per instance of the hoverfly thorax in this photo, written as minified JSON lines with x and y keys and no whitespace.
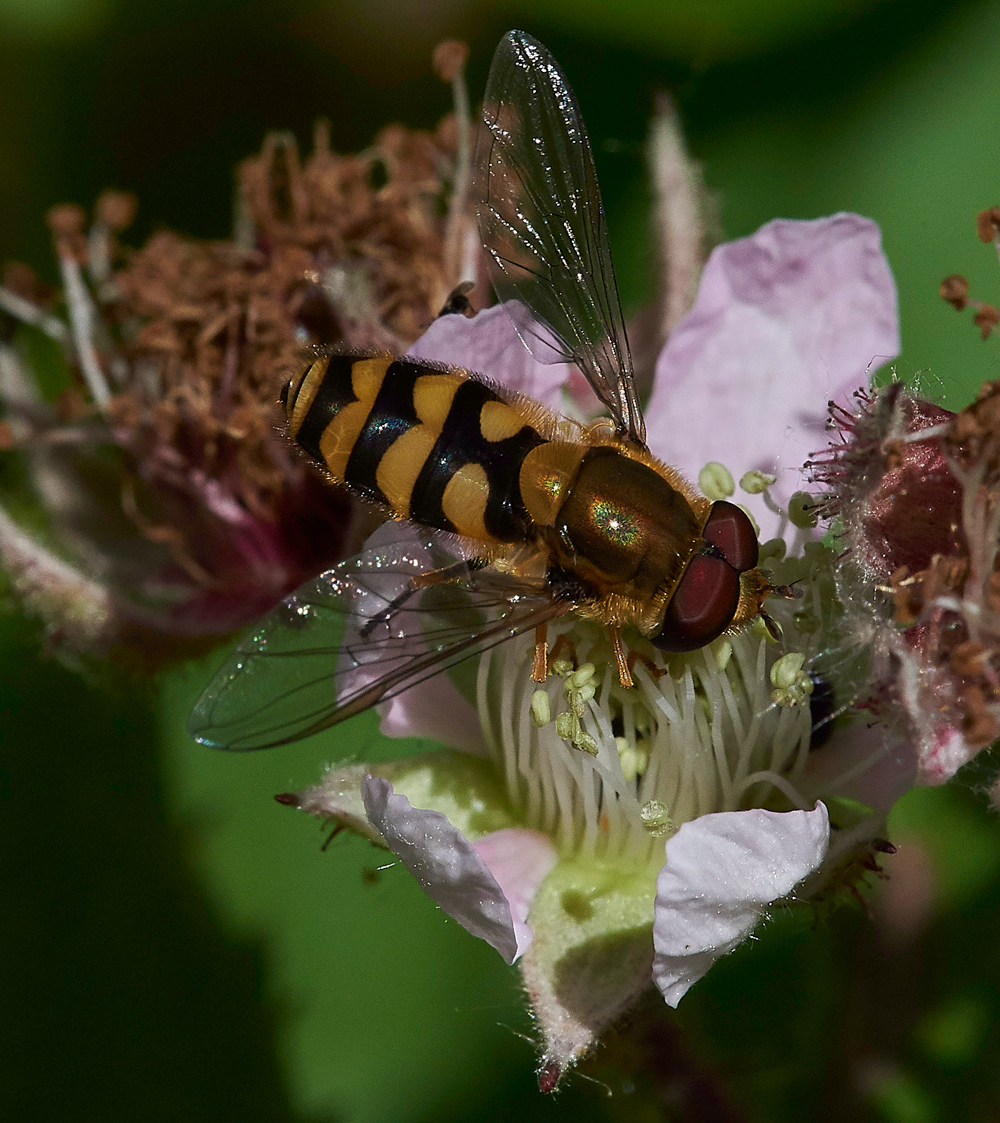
{"x":519,"y":515}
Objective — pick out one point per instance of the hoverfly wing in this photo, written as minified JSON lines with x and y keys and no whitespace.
{"x":542,"y":223}
{"x":359,"y":634}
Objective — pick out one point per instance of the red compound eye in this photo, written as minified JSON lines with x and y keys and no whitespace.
{"x":703,"y":605}
{"x":730,"y":531}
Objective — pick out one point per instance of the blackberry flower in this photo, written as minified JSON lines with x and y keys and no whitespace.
{"x":611,"y":839}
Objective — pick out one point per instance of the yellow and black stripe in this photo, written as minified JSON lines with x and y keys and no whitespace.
{"x":439,"y":447}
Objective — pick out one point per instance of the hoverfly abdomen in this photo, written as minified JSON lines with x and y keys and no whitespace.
{"x":434,"y":446}
{"x":469,"y":479}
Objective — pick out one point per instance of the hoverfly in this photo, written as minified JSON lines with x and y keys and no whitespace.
{"x":506,"y":516}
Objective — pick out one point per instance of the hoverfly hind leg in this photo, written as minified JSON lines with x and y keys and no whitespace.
{"x":418,"y":583}
{"x":540,"y":667}
{"x":446,"y":574}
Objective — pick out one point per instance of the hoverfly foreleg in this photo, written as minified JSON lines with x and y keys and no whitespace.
{"x":417,"y":584}
{"x":624,"y":671}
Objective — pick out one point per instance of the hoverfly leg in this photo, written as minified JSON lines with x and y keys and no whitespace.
{"x":416,"y":584}
{"x":788,"y":592}
{"x":540,"y":669}
{"x":624,"y":670}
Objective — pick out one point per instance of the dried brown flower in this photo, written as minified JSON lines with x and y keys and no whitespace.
{"x":918,"y":492}
{"x":177,"y":352}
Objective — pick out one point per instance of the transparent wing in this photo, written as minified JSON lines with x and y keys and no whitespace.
{"x":357,"y":635}
{"x":542,"y":224}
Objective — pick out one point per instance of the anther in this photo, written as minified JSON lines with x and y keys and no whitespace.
{"x":754,"y":483}
{"x":716,"y":481}
{"x":541,"y":710}
{"x":955,"y":290}
{"x":792,"y":685}
{"x":988,"y":224}
{"x":802,"y":510}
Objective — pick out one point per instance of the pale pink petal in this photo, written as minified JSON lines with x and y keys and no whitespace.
{"x":436,"y":710}
{"x":862,"y":761}
{"x":520,"y":860}
{"x":448,"y":866}
{"x":795,"y":315}
{"x":489,"y":344}
{"x":721,"y":874}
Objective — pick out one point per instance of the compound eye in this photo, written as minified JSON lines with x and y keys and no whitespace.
{"x":730,"y":531}
{"x":702,"y":607}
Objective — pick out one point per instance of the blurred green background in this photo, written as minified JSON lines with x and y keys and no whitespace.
{"x":176,"y":945}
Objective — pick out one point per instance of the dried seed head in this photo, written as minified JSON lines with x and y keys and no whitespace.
{"x":179,"y":350}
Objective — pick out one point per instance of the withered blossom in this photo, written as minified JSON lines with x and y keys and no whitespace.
{"x":917,"y":491}
{"x":172,"y":504}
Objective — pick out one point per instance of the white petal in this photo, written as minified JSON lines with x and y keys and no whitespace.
{"x":489,"y":344}
{"x":722,"y":872}
{"x":785,"y":320}
{"x":450,"y":869}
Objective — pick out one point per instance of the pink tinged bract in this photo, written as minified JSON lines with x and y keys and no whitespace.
{"x":721,"y":874}
{"x":487,"y":886}
{"x":785,"y":320}
{"x":490,"y":344}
